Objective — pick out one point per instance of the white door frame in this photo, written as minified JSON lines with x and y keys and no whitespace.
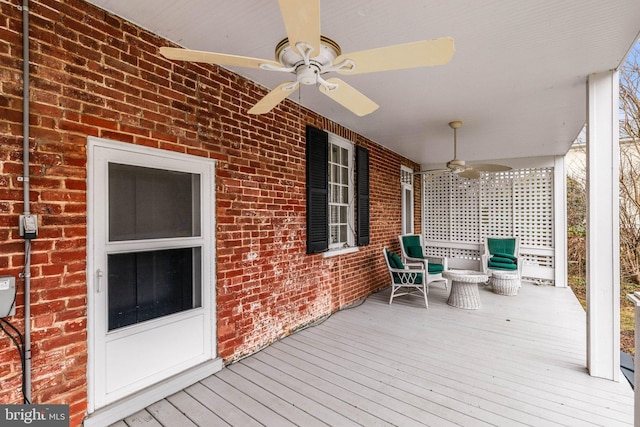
{"x":406,"y":184}
{"x":183,"y":374}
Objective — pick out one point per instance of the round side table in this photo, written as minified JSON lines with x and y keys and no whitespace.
{"x":464,"y":288}
{"x":505,"y":282}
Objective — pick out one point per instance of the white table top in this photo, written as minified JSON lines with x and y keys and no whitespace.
{"x":505,"y":274}
{"x":469,"y":276}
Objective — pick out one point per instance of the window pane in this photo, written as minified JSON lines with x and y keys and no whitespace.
{"x":334,"y":155}
{"x":333,"y":232}
{"x":344,"y":157}
{"x":147,"y":285}
{"x":407,"y":214}
{"x":343,"y":214}
{"x":343,"y":233}
{"x":338,"y":195}
{"x":335,"y":215}
{"x":345,"y":176}
{"x":345,"y":195}
{"x":146,"y":203}
{"x":335,"y":174}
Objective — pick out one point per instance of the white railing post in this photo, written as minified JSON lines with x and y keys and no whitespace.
{"x":635,"y":298}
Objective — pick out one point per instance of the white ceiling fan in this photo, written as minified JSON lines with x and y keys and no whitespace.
{"x":309,"y":55}
{"x":460,"y":167}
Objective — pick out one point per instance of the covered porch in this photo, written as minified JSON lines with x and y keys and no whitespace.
{"x":518,"y":360}
{"x":525,"y":95}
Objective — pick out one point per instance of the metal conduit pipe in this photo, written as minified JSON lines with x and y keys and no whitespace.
{"x":25,"y":181}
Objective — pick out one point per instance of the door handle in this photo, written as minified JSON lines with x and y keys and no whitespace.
{"x":98,"y":280}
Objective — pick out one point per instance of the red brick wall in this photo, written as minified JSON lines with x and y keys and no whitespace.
{"x":95,"y":74}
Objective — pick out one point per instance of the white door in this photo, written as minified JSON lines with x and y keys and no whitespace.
{"x":406,"y":184}
{"x":150,"y":267}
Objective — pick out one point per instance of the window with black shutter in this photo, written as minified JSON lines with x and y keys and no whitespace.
{"x":362,"y":191}
{"x":330,"y":193}
{"x":317,"y":190}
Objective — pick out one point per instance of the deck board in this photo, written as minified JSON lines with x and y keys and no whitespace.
{"x":246,"y":402}
{"x":519,"y":360}
{"x":167,"y":414}
{"x":197,"y":412}
{"x":275,"y":403}
{"x":327,"y":407}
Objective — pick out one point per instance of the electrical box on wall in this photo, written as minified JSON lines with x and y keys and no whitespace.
{"x":7,"y":296}
{"x":28,"y":226}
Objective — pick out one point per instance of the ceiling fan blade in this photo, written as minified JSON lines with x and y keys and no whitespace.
{"x":180,"y":54}
{"x":417,"y":54}
{"x":349,"y":97}
{"x":302,"y":22}
{"x":424,"y":172}
{"x":488,"y":167}
{"x":273,"y":98}
{"x":469,"y":174}
{"x":428,"y":178}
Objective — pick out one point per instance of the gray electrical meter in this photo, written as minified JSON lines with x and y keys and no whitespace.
{"x":7,"y":296}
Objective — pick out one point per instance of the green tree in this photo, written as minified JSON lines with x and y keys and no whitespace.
{"x":577,"y":226}
{"x":630,"y":167}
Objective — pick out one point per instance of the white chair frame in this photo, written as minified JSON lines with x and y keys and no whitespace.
{"x":406,"y":282}
{"x":486,"y":255}
{"x":424,"y":261}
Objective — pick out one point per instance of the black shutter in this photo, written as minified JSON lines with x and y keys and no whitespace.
{"x":317,"y":190}
{"x":362,"y":191}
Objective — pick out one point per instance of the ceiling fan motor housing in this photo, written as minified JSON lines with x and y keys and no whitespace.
{"x":457,"y":165}
{"x":307,"y":74}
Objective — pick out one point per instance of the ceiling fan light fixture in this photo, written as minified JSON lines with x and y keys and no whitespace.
{"x":457,"y":165}
{"x":291,"y":58}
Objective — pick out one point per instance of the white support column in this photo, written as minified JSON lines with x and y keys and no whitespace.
{"x":635,"y":298}
{"x":603,"y":248}
{"x":560,"y":222}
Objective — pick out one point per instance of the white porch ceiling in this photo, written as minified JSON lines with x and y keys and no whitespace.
{"x":517,"y":79}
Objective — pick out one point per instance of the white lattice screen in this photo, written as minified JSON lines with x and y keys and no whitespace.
{"x":460,"y":213}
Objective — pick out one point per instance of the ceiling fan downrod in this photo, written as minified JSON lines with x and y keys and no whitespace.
{"x":455,"y":125}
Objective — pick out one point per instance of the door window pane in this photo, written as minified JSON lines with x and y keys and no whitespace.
{"x":147,"y":285}
{"x":408,"y":214}
{"x":147,"y":203}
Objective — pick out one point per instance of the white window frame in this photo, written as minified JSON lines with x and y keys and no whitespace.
{"x":350,"y":242}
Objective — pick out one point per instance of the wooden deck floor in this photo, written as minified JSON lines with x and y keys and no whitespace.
{"x":517,"y":361}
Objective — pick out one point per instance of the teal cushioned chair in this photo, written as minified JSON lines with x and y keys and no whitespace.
{"x":502,"y":254}
{"x":412,"y":248}
{"x":405,"y":280}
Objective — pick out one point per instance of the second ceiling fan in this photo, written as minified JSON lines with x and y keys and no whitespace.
{"x":309,"y":56}
{"x":460,"y":167}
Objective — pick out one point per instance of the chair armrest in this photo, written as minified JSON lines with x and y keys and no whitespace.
{"x":408,"y":275}
{"x":520,"y":264}
{"x":415,"y":262}
{"x":439,"y":260}
{"x":484,"y":259}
